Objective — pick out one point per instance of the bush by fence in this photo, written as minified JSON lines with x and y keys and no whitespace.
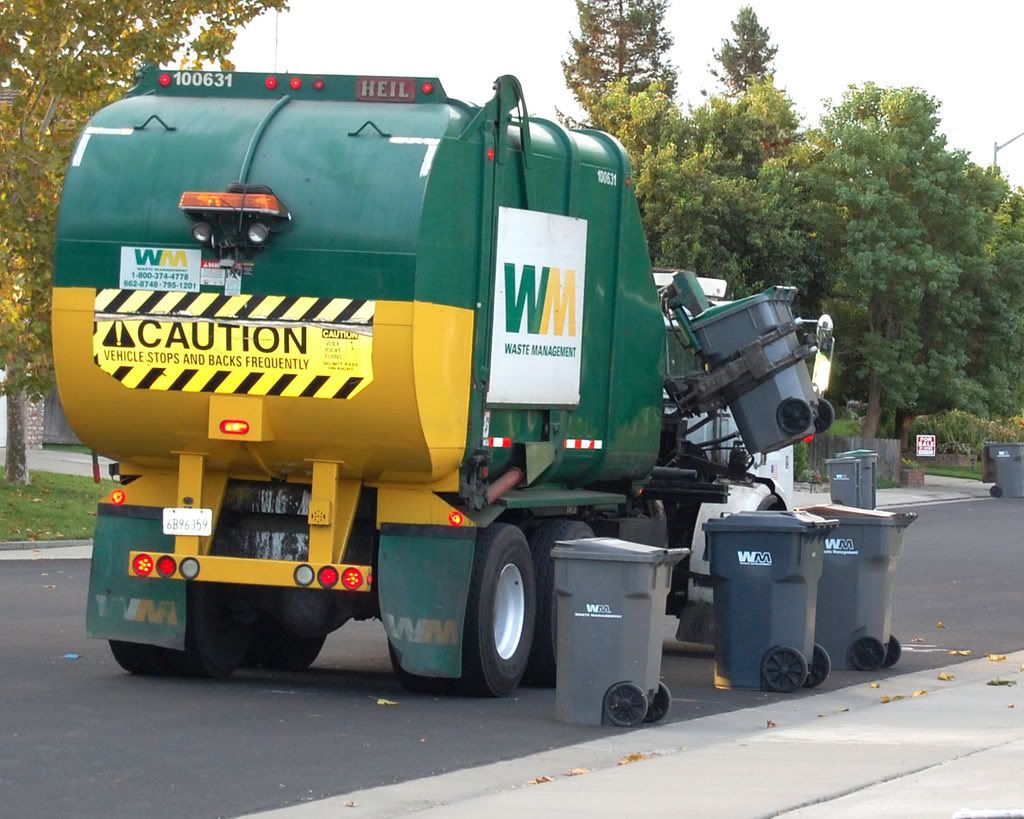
{"x":961,"y":433}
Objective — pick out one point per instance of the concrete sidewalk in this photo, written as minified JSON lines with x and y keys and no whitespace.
{"x":935,"y":748}
{"x":936,"y":489}
{"x":62,"y":460}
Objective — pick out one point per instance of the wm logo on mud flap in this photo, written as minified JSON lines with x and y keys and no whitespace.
{"x":138,"y":609}
{"x":754,"y":558}
{"x":428,"y":631}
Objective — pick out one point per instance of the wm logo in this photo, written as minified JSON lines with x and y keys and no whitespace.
{"x":754,"y":558}
{"x":551,"y":308}
{"x":429,"y":631}
{"x":157,"y":256}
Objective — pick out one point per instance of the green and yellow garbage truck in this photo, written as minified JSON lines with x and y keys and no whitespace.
{"x":361,"y":350}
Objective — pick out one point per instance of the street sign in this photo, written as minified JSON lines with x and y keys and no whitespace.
{"x":925,"y":446}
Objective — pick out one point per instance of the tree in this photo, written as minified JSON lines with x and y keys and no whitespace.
{"x":60,"y":61}
{"x":748,"y":57}
{"x":619,"y":40}
{"x":909,"y":227}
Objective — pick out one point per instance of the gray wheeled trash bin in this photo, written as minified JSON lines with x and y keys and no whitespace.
{"x":852,"y":478}
{"x":854,"y":617}
{"x":1008,"y":460}
{"x":762,"y":328}
{"x":764,"y":573}
{"x":610,"y":614}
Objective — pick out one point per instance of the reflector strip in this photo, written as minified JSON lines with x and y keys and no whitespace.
{"x":498,"y":443}
{"x":583,"y":443}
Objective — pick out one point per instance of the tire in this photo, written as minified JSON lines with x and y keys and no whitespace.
{"x":500,"y":612}
{"x":132,"y":657}
{"x":867,"y":654}
{"x":995,"y":490}
{"x":660,"y":704}
{"x":625,"y":705}
{"x":893,"y":652}
{"x":825,"y":416}
{"x":783,"y":669}
{"x":414,"y":683}
{"x":215,"y":644}
{"x":540,"y":670}
{"x":821,"y":667}
{"x":278,"y":649}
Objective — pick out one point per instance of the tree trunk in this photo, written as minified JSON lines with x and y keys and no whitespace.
{"x":16,"y":466}
{"x":873,"y":418}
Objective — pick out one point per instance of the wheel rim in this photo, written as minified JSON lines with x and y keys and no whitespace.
{"x":625,"y":704}
{"x":509,"y":611}
{"x":867,"y":654}
{"x":784,"y":670}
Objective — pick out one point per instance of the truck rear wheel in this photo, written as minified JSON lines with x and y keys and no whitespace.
{"x":132,"y":657}
{"x":275,"y":647}
{"x":416,"y":684}
{"x":500,"y":612}
{"x":541,"y":668}
{"x":215,"y":643}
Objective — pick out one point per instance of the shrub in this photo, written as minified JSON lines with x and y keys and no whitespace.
{"x":956,"y":431}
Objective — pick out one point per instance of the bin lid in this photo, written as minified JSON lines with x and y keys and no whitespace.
{"x":867,"y":517}
{"x":795,"y":521}
{"x":857,"y":453}
{"x":611,"y":548}
{"x":846,"y":460}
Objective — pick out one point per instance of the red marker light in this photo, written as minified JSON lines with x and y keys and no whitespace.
{"x":295,"y":83}
{"x":165,"y":80}
{"x":490,"y":153}
{"x":118,"y":496}
{"x":142,"y":565}
{"x":271,"y":83}
{"x":808,"y":439}
{"x":327,"y":577}
{"x":455,"y":517}
{"x":352,"y":578}
{"x":427,"y":88}
{"x":165,"y":566}
{"x":318,"y":85}
{"x":234,"y":427}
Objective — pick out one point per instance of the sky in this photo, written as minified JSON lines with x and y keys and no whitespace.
{"x":965,"y":54}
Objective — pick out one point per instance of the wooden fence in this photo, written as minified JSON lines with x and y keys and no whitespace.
{"x":826,"y":446}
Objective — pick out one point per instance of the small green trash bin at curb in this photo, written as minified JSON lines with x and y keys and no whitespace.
{"x":764,"y":574}
{"x":854,"y":614}
{"x":610,"y":598}
{"x":852,"y":478}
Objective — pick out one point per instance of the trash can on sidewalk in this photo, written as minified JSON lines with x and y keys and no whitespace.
{"x":764,"y":573}
{"x":854,"y":617}
{"x":610,"y":615}
{"x":1008,"y":460}
{"x":852,"y":478}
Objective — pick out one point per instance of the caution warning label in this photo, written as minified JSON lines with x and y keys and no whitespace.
{"x":244,"y":345}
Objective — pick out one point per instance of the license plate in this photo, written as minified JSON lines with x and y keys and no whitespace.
{"x":196,"y":522}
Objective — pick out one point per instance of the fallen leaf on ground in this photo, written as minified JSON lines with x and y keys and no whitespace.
{"x":49,"y":586}
{"x":886,"y":698}
{"x":540,"y":780}
{"x":577,"y":771}
{"x":771,"y":724}
{"x":350,"y":804}
{"x":382,"y":701}
{"x":1001,"y":681}
{"x":630,"y":758}
{"x":961,"y":652}
{"x":940,"y":624}
{"x":996,"y":658}
{"x":1011,"y":705}
{"x":945,"y":676}
{"x":843,"y":710}
{"x":917,"y":639}
{"x":874,"y":684}
{"x":920,"y":692}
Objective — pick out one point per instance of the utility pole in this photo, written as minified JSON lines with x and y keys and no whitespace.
{"x":996,"y":147}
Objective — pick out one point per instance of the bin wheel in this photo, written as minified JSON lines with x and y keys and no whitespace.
{"x":414,"y":683}
{"x":500,"y":612}
{"x":783,"y":669}
{"x":821,"y":666}
{"x":625,"y":705}
{"x":995,"y":490}
{"x":825,"y":416}
{"x":660,"y":704}
{"x":867,"y":654}
{"x":540,"y":670}
{"x":893,"y":651}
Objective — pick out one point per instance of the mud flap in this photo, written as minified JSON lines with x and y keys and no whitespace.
{"x":135,"y":609}
{"x":423,"y":582}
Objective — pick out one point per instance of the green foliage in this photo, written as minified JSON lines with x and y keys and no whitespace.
{"x":620,"y":40}
{"x":748,"y":57}
{"x":54,"y":507}
{"x":801,"y":457}
{"x":962,"y":433}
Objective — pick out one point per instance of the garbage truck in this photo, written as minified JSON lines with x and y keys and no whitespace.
{"x":361,"y":350}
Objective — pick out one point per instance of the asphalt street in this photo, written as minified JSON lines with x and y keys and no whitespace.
{"x":78,"y":737}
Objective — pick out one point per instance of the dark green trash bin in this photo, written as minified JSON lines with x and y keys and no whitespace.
{"x":855,"y":593}
{"x":852,"y":478}
{"x":764,"y":572}
{"x":610,"y":598}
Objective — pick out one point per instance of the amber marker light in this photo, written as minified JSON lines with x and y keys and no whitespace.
{"x":118,"y":497}
{"x":455,"y":518}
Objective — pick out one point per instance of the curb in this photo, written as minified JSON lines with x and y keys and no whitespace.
{"x":31,"y":545}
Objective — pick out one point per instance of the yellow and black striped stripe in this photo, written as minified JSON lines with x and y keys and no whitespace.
{"x":117,"y":302}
